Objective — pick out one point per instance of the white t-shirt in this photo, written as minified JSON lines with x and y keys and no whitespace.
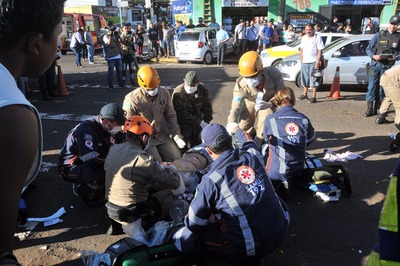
{"x":11,"y":95}
{"x":310,"y":48}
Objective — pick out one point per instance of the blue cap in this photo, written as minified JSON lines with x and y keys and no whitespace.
{"x":213,"y":135}
{"x":394,"y":19}
{"x":114,"y":112}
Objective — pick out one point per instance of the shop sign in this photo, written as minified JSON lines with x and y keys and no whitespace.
{"x":244,"y":3}
{"x":358,"y":2}
{"x":301,"y":20}
{"x":181,"y":10}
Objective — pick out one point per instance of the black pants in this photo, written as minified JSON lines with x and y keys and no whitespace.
{"x":242,"y":46}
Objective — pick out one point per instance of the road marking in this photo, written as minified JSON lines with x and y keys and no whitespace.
{"x":64,"y":117}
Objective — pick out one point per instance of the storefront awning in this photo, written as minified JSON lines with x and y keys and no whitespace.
{"x":244,"y":3}
{"x":359,"y":2}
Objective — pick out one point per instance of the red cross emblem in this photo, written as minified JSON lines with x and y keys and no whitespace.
{"x":292,"y":129}
{"x":245,"y":174}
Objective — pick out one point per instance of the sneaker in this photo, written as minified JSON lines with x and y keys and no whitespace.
{"x":92,"y":63}
{"x":312,"y":100}
{"x":302,"y":97}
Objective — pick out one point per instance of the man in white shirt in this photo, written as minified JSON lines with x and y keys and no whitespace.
{"x":310,"y":53}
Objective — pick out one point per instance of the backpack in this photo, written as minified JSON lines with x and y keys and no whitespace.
{"x":327,"y":182}
{"x":130,"y":252}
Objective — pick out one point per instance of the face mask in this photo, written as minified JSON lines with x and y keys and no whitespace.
{"x":252,"y":82}
{"x":115,"y":130}
{"x":152,"y":92}
{"x":190,"y":90}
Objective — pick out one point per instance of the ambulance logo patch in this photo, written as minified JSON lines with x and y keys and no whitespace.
{"x":245,"y":174}
{"x":89,"y":143}
{"x":292,"y":129}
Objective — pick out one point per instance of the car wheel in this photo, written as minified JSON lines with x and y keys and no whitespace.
{"x":298,"y":81}
{"x":208,"y":58}
{"x":179,"y":61}
{"x":277,"y":63}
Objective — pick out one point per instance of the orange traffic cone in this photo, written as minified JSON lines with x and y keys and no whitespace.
{"x":62,"y":88}
{"x":335,"y":88}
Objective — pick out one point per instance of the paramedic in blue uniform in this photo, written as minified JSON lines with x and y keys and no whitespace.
{"x":288,"y":132}
{"x":235,"y":214}
{"x":82,"y":156}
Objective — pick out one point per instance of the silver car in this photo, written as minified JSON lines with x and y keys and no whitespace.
{"x":199,"y":45}
{"x":348,"y":53}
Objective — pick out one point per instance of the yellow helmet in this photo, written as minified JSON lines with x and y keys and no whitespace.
{"x":250,"y":64}
{"x":148,"y":78}
{"x":137,"y":124}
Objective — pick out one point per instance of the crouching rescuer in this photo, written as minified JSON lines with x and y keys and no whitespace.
{"x":137,"y":185}
{"x":235,"y":214}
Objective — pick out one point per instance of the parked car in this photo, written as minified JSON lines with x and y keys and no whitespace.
{"x":273,"y":56}
{"x":348,"y":53}
{"x":199,"y":45}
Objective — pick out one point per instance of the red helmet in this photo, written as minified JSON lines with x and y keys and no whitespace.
{"x":137,"y":124}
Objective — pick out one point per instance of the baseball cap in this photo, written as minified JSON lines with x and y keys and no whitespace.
{"x":191,"y":78}
{"x":213,"y":135}
{"x":394,"y":19}
{"x":114,"y":112}
{"x":201,"y":19}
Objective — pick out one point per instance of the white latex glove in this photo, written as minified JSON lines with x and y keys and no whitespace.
{"x":203,"y":124}
{"x":181,"y":143}
{"x":262,"y":105}
{"x":230,"y":126}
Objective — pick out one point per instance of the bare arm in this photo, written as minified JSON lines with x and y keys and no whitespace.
{"x":19,"y":146}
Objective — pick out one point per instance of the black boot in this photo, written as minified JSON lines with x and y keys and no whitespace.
{"x":376,"y":107}
{"x":115,"y":228}
{"x":370,"y":111}
{"x":395,"y":143}
{"x":381,"y":119}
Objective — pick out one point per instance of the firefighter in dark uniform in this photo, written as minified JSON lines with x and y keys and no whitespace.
{"x":235,"y":214}
{"x":192,"y":103}
{"x":382,"y":44}
{"x":81,"y":159}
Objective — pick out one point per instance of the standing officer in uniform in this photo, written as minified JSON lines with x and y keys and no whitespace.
{"x":192,"y":103}
{"x":251,"y":95}
{"x":130,"y":171}
{"x":384,"y":51}
{"x":81,"y":159}
{"x":155,"y":103}
{"x":235,"y":213}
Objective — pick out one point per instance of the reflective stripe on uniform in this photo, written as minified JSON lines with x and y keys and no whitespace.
{"x":281,"y":151}
{"x":89,"y":156}
{"x":237,"y":211}
{"x":195,"y":219}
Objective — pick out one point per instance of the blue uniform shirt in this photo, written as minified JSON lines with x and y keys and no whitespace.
{"x":288,"y":132}
{"x":236,"y":190}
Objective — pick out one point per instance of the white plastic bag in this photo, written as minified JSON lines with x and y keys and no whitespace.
{"x":136,"y":231}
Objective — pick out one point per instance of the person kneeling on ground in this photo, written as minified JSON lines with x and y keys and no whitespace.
{"x":81,"y":159}
{"x":288,"y":132}
{"x":227,"y":217}
{"x":137,"y":185}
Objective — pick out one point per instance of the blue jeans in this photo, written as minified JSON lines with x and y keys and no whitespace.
{"x":90,"y":49}
{"x":306,"y":78}
{"x":129,"y":60}
{"x":78,"y":55}
{"x":117,"y":63}
{"x":375,"y":91}
{"x":104,"y":51}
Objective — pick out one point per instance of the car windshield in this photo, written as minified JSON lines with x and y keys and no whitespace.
{"x":295,"y":43}
{"x":334,"y":43}
{"x":189,"y":36}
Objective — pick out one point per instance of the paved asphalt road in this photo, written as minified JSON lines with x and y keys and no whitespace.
{"x":340,"y":233}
